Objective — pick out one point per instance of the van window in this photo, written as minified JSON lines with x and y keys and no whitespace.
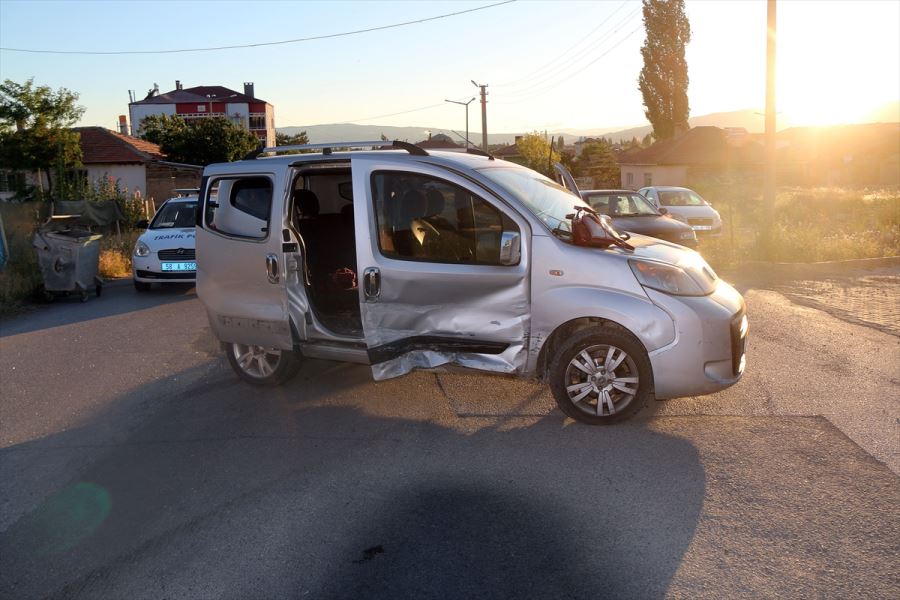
{"x":423,"y":218}
{"x":239,"y":206}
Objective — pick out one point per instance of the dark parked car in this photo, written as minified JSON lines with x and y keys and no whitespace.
{"x":633,"y":213}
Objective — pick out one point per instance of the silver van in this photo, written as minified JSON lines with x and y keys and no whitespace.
{"x":407,"y":259}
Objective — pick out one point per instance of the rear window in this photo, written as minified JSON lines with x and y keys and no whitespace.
{"x":680,"y":198}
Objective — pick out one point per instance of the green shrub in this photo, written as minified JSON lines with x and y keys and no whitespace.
{"x":807,"y":224}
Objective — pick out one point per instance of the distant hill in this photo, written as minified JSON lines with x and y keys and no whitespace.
{"x":886,"y":113}
{"x":348,"y":132}
{"x":750,"y":119}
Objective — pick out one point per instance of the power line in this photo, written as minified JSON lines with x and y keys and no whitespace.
{"x":402,"y":112}
{"x":260,"y":44}
{"x":542,"y":80}
{"x":563,"y":54}
{"x":555,"y":85}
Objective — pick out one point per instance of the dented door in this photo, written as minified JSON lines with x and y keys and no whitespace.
{"x":444,"y":270}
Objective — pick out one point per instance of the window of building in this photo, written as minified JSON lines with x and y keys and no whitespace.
{"x":648,"y":179}
{"x":428,"y":219}
{"x":201,"y":108}
{"x":257,"y":121}
{"x":629,"y":178}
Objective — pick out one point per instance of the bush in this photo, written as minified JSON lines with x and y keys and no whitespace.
{"x":20,"y":279}
{"x":807,"y":225}
{"x":115,"y":255}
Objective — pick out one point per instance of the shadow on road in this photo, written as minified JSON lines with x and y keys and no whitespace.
{"x":230,"y":491}
{"x":117,"y":299}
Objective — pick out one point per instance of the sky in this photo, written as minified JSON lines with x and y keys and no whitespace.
{"x":548,"y":65}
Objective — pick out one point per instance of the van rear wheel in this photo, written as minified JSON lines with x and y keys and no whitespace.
{"x":262,"y":366}
{"x":601,"y":376}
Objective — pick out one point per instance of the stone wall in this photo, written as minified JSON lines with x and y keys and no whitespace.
{"x":163,"y":179}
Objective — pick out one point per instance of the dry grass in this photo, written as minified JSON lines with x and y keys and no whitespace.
{"x":807,"y":225}
{"x":21,"y":278}
{"x":115,"y":255}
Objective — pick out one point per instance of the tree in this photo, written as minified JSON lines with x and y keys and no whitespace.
{"x":598,"y":161}
{"x":200,"y":141}
{"x":537,"y":154}
{"x":34,"y":127}
{"x":647,"y":140}
{"x":298,"y":139}
{"x":664,"y":78}
{"x":560,"y":143}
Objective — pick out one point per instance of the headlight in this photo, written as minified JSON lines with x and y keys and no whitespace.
{"x":688,"y":235}
{"x":666,"y":278}
{"x":141,"y":249}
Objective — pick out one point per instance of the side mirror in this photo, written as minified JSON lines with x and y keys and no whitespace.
{"x":663,"y":210}
{"x":510,"y":248}
{"x":142,"y":224}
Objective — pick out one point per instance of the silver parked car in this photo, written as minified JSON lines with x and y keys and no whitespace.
{"x":405,"y":259}
{"x":687,"y":206}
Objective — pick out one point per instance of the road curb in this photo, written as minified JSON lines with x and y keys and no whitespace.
{"x":759,"y":270}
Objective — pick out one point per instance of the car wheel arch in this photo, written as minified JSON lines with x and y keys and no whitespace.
{"x":568,"y":329}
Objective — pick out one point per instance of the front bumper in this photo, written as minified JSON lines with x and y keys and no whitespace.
{"x":708,"y":353}
{"x":147,"y":269}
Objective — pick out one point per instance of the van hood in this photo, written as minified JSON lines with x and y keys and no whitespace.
{"x":657,"y":250}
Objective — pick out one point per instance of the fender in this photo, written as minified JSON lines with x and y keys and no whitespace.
{"x":650,"y":324}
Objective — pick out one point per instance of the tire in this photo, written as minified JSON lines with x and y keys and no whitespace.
{"x":595,"y":398}
{"x":262,"y":366}
{"x":142,"y":286}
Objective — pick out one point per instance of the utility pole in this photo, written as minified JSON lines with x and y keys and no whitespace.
{"x":466,"y":104}
{"x":769,"y":172}
{"x":484,"y":142}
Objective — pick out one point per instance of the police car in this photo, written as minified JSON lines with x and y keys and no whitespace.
{"x":165,"y":253}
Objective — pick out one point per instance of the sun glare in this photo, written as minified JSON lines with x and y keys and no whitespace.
{"x":837,"y":61}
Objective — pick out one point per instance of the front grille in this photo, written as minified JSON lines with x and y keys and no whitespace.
{"x":738,"y":343}
{"x":177,"y":254}
{"x":703,"y":221}
{"x":174,"y":275}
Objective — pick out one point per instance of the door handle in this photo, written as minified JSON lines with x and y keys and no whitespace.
{"x":272,"y":268}
{"x":372,"y":283}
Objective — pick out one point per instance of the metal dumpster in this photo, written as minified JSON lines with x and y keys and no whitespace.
{"x":68,"y":255}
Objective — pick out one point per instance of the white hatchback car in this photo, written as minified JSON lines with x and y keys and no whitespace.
{"x":687,"y":206}
{"x":166,"y":252}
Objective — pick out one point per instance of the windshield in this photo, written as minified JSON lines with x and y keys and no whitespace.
{"x":620,"y":204}
{"x":680,"y":198}
{"x":175,"y":215}
{"x":549,"y":201}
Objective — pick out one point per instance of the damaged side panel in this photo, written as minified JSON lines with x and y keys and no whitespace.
{"x":419,"y":311}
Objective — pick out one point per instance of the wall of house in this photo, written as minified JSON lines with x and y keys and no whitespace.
{"x":130,"y":177}
{"x":139,"y":111}
{"x":658,"y":175}
{"x":163,"y":179}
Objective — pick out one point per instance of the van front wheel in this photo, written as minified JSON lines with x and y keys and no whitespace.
{"x":601,"y":376}
{"x":262,"y":366}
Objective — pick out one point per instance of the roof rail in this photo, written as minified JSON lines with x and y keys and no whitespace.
{"x":479,"y":152}
{"x":328,"y":147}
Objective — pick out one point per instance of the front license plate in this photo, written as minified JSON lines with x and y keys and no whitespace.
{"x":179,"y":266}
{"x":702,"y":227}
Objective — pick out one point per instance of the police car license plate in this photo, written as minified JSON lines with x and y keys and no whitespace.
{"x":179,"y":266}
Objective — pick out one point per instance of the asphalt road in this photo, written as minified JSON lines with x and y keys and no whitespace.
{"x":135,"y":465}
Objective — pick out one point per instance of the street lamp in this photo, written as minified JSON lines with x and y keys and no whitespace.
{"x":466,"y":104}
